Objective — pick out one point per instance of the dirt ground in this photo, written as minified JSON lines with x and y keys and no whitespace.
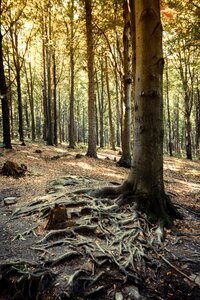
{"x":177,"y":274}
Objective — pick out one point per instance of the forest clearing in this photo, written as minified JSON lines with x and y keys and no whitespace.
{"x":70,"y":265}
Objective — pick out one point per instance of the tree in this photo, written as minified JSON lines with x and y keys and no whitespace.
{"x":4,"y":99}
{"x":71,"y":112}
{"x":112,"y":135}
{"x":145,"y":185}
{"x":91,"y":94}
{"x":125,"y":160}
{"x":3,"y":92}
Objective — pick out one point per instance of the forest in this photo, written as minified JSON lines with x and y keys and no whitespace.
{"x":99,"y":149}
{"x":44,"y":66}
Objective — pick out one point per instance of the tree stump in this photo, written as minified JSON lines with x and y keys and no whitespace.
{"x":58,"y":218}
{"x":11,"y":168}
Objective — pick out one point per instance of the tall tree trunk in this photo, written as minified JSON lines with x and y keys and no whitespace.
{"x":59,"y":117}
{"x":54,"y":94}
{"x":198,"y":122}
{"x":117,"y":110}
{"x":146,"y":174}
{"x":145,"y":184}
{"x":125,"y":159}
{"x":44,"y":88}
{"x":72,"y":135}
{"x":30,"y":87}
{"x":26,"y":111}
{"x":91,"y":95}
{"x":112,"y":133}
{"x":10,"y":97}
{"x":168,"y":112}
{"x":50,"y":121}
{"x":16,"y":59}
{"x":101,"y":107}
{"x":188,"y":128}
{"x":4,"y":100}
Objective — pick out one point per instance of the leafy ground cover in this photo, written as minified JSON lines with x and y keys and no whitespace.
{"x":98,"y":251}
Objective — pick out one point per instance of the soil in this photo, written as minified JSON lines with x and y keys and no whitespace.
{"x":33,"y":269}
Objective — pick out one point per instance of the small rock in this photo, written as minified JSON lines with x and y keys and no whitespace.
{"x":133,"y":293}
{"x":10,"y":200}
{"x":119,"y":296}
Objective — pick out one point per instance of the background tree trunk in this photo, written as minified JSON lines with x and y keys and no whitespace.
{"x":71,"y":110}
{"x":4,"y":100}
{"x":125,"y":160}
{"x":112,"y":133}
{"x":168,"y":112}
{"x":18,"y":65}
{"x":91,"y":95}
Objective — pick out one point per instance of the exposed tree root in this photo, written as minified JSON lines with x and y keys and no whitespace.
{"x":109,"y":233}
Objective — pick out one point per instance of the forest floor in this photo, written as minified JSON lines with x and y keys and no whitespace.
{"x":92,"y":258}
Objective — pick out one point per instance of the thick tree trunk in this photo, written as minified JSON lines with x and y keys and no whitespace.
{"x":146,"y":174}
{"x":91,"y":95}
{"x":145,"y":185}
{"x":4,"y":100}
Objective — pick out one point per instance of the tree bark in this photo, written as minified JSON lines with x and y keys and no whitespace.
{"x":146,"y":174}
{"x":91,"y":95}
{"x":168,"y":112}
{"x":72,"y":142}
{"x":30,"y":87}
{"x":4,"y":100}
{"x":112,"y":133}
{"x":125,"y":160}
{"x":16,"y":59}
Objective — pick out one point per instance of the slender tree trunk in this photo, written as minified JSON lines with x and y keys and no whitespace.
{"x":10,"y":98}
{"x":112,"y":133}
{"x":44,"y":88}
{"x":72,"y":142}
{"x":188,"y":128}
{"x":31,"y":99}
{"x":16,"y":59}
{"x":4,"y":100}
{"x":91,"y":95}
{"x":168,"y":112}
{"x":54,"y":94}
{"x":117,"y":110}
{"x":125,"y":159}
{"x":32,"y":104}
{"x":49,"y":97}
{"x":19,"y":98}
{"x":101,"y":107}
{"x":198,"y":122}
{"x":26,"y":111}
{"x":59,"y":117}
